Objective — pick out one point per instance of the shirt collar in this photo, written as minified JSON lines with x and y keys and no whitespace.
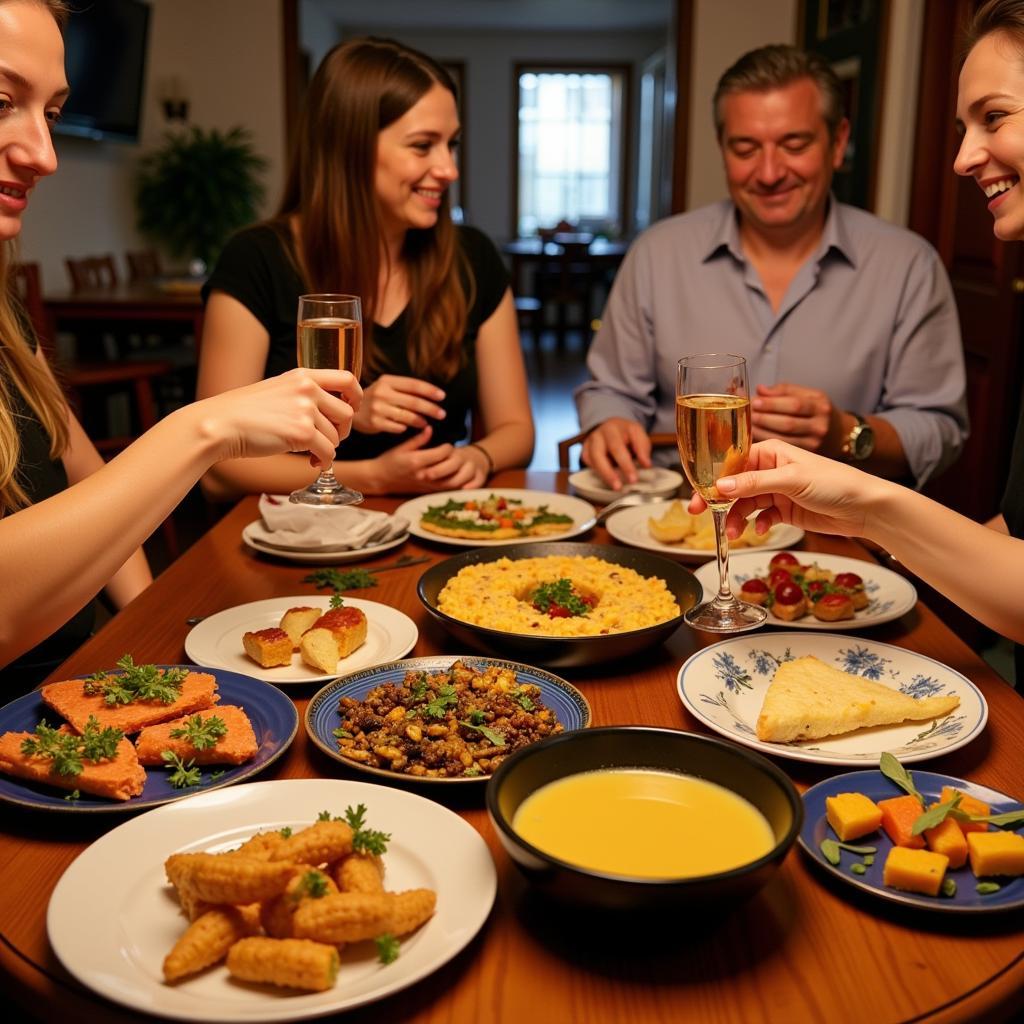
{"x":835,"y":236}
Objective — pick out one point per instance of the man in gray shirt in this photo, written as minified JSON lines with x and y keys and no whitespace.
{"x":847,"y":323}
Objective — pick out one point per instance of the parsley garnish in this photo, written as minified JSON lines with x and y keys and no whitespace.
{"x":476,"y":716}
{"x":137,"y":682}
{"x":214,"y":776}
{"x":349,"y":579}
{"x":387,"y":948}
{"x":522,"y":698}
{"x":286,"y":831}
{"x":561,"y":595}
{"x":419,"y":688}
{"x":313,"y":884}
{"x":365,"y":840}
{"x":491,"y":734}
{"x":339,"y":734}
{"x":337,"y":601}
{"x":67,"y":751}
{"x":73,"y":796}
{"x":202,"y":735}
{"x":446,"y":697}
{"x":474,"y":769}
{"x":184,"y":775}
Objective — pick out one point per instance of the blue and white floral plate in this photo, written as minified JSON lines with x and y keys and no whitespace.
{"x":889,"y":594}
{"x":724,"y":686}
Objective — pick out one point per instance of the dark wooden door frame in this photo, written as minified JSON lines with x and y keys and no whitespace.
{"x":678,"y":73}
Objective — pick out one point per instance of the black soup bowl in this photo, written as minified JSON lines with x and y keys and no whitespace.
{"x":561,"y":651}
{"x":735,"y":768}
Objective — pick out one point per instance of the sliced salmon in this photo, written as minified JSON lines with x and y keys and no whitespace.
{"x":236,"y":746}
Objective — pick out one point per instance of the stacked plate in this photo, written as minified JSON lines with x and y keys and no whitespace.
{"x":268,"y":542}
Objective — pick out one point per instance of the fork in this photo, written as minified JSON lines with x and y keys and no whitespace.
{"x":627,"y":500}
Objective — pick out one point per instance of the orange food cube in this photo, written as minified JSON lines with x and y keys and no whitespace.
{"x":946,"y":838}
{"x":853,"y":815}
{"x":996,"y":853}
{"x":898,"y":816}
{"x":915,"y":870}
{"x":969,"y":805}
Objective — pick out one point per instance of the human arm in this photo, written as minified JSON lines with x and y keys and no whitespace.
{"x":58,"y":553}
{"x":503,"y":407}
{"x":958,"y":557}
{"x":807,"y":418}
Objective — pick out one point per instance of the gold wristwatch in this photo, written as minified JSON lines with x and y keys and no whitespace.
{"x":860,"y":442}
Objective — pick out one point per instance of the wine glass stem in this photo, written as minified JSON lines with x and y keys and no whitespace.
{"x":722,"y":548}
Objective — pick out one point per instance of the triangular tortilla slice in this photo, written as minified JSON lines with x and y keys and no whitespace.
{"x":808,"y":699}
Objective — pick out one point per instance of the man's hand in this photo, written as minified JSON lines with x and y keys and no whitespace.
{"x":804,"y":417}
{"x":613,"y":448}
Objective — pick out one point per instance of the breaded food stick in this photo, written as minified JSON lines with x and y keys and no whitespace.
{"x":306,"y":884}
{"x":343,"y":917}
{"x":410,"y":909}
{"x":260,"y":846}
{"x":321,"y":843}
{"x":231,"y":879}
{"x":293,"y":963}
{"x":206,"y":941}
{"x":360,"y":872}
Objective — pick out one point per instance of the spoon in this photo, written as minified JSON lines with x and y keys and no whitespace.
{"x":626,"y":500}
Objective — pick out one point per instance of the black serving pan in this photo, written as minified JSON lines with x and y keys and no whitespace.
{"x":556,"y":651}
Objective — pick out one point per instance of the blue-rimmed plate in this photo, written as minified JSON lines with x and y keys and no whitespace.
{"x":724,"y":686}
{"x":570,"y":707}
{"x":876,"y":786}
{"x":274,"y":721}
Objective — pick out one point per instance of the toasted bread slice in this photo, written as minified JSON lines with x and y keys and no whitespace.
{"x":120,"y":778}
{"x":296,"y":621}
{"x":808,"y":699}
{"x":268,"y":647}
{"x":236,"y":746}
{"x":335,"y":635}
{"x":70,"y":701}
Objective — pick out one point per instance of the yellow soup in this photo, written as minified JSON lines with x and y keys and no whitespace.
{"x":644,"y":823}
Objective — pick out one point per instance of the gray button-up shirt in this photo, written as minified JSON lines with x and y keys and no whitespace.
{"x":869,"y":319}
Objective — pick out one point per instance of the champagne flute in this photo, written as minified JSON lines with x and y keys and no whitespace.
{"x":329,"y":336}
{"x":713,"y":433}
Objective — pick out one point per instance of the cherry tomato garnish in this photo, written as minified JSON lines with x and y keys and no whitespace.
{"x":779,"y":576}
{"x":850,"y":580}
{"x":783,"y":558}
{"x":816,"y":587}
{"x":755,"y":586}
{"x":835,"y":600}
{"x":788,"y":593}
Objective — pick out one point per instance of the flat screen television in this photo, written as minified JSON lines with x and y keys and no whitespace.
{"x":105,"y":61}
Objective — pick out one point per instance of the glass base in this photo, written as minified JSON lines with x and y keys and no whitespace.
{"x":322,"y":494}
{"x":726,"y":617}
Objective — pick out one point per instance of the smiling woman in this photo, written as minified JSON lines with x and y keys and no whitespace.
{"x":366,"y":211}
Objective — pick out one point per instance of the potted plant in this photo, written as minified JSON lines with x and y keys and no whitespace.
{"x":198,"y":188}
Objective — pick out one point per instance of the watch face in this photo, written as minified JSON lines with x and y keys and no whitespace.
{"x":863,"y":442}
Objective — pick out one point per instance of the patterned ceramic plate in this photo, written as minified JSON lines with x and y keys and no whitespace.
{"x":724,"y":686}
{"x":889,"y":594}
{"x":875,"y":786}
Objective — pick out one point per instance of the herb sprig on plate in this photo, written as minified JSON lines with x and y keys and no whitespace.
{"x":202,"y":734}
{"x":137,"y":682}
{"x":69,"y":751}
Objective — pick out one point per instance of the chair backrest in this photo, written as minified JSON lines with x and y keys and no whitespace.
{"x":29,"y":289}
{"x":143,"y":265}
{"x":91,"y":272}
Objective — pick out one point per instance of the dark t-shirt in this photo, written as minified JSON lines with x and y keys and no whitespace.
{"x":42,"y":477}
{"x":258,"y":268}
{"x":1013,"y":513}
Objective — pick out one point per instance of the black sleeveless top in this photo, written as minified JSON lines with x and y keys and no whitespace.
{"x":1013,"y":513}
{"x":41,"y":478}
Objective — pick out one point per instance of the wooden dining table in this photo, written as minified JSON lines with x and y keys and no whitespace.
{"x":802,"y":949}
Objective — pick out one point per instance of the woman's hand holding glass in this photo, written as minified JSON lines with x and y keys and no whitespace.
{"x":392,"y":404}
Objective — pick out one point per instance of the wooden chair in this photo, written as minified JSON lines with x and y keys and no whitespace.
{"x":565,"y":447}
{"x":564,"y":281}
{"x":143,"y":265}
{"x":84,"y":380}
{"x":91,"y":272}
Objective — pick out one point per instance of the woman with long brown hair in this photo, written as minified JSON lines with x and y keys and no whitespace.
{"x":70,"y":524}
{"x":366,"y":212}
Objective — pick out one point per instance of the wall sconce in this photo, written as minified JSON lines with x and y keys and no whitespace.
{"x":173,"y":100}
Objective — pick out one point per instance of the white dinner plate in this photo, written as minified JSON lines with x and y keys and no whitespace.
{"x":254,"y":537}
{"x":655,"y":480}
{"x":724,"y":686}
{"x":118,"y":886}
{"x":890,"y":595}
{"x":217,"y":640}
{"x":582,"y":513}
{"x":629,"y":526}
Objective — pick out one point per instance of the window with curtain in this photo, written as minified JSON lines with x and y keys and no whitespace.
{"x":570,"y":149}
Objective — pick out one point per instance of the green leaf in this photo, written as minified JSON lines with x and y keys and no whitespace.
{"x":948,"y":887}
{"x":365,"y":840}
{"x":184,"y":775}
{"x":387,"y":948}
{"x":137,"y":682}
{"x":858,"y":869}
{"x":1008,"y":819}
{"x":73,"y":796}
{"x":895,"y":772}
{"x":201,"y":734}
{"x":492,"y":735}
{"x":935,"y":816}
{"x":830,"y":851}
{"x":987,"y":888}
{"x":286,"y":831}
{"x":333,"y":579}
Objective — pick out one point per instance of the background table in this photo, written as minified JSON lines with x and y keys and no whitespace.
{"x":803,"y":949}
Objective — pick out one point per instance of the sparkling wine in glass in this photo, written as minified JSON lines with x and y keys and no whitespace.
{"x":713,"y":432}
{"x":329,"y":336}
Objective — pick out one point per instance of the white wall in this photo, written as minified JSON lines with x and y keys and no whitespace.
{"x":489,"y":58}
{"x":722,"y":32}
{"x":227,"y":56}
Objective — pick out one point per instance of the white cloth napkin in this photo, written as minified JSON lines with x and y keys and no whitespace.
{"x":285,"y":524}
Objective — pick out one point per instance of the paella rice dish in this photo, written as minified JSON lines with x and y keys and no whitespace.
{"x":557,"y":595}
{"x":460,"y":722}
